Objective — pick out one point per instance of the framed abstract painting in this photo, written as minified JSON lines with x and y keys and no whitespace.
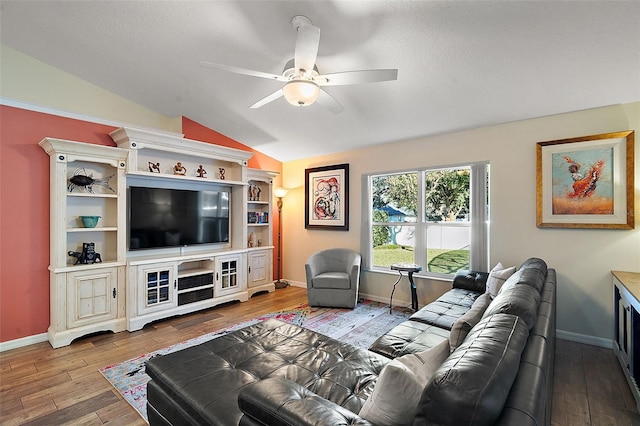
{"x":586,"y":182}
{"x":326,"y":198}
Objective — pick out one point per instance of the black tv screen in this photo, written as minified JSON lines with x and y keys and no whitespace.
{"x":160,"y":217}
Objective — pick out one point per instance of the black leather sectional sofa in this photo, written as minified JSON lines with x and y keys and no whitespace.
{"x":274,"y":373}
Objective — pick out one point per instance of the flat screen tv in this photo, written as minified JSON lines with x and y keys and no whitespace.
{"x":160,"y":217}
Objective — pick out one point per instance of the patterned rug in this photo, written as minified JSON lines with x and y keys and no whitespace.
{"x":360,"y":327}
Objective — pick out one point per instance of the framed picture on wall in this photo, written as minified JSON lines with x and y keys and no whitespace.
{"x":326,"y":198}
{"x":586,"y":182}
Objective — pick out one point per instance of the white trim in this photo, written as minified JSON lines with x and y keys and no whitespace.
{"x":296,"y":284}
{"x":583,"y":338}
{"x":66,"y":114}
{"x":23,"y":341}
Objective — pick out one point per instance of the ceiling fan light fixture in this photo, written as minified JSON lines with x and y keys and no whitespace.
{"x":301,"y":92}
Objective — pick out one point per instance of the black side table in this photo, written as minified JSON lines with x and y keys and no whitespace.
{"x":409,"y":268}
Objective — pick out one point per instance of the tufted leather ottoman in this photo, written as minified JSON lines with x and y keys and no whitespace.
{"x":200,"y":385}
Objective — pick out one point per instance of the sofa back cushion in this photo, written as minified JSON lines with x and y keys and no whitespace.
{"x":519,"y":300}
{"x":534,"y":272}
{"x":472,"y":385}
{"x":471,"y":280}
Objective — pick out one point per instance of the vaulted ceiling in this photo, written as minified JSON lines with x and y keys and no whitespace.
{"x":461,"y":64}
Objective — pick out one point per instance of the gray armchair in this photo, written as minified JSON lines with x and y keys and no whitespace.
{"x":333,"y":278}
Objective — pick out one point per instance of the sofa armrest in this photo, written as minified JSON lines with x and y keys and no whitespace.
{"x":471,"y":280}
{"x":280,"y":402}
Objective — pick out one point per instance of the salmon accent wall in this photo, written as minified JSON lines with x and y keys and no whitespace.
{"x":24,"y":208}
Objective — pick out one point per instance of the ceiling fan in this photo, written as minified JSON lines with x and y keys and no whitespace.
{"x":302,"y":81}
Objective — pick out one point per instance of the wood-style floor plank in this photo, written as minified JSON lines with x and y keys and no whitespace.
{"x":44,"y":386}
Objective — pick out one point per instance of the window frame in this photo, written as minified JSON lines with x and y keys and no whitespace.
{"x":478,"y":217}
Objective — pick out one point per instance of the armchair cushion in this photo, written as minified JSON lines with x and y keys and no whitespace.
{"x":332,"y":280}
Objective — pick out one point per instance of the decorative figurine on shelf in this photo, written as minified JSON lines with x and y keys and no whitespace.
{"x":221,"y":170}
{"x":81,"y":179}
{"x":250,"y":189}
{"x":201,"y":172}
{"x":154,"y":167}
{"x":179,"y":169}
{"x":87,"y":256}
{"x":258,"y":191}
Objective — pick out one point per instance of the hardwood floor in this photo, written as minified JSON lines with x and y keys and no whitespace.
{"x":44,"y":386}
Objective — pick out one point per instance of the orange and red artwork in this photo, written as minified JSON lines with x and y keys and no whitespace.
{"x":582,"y":182}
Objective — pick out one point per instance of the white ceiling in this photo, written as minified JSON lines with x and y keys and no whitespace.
{"x":461,"y":64}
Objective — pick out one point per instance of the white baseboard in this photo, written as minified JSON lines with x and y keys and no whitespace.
{"x":23,"y":341}
{"x":583,"y":338}
{"x":297,"y":284}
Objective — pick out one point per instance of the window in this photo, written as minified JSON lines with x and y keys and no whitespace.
{"x":436,"y":218}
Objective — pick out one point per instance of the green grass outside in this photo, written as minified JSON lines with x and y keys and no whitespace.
{"x":441,"y":260}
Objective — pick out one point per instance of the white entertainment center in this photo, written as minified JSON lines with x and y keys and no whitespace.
{"x":112,"y":286}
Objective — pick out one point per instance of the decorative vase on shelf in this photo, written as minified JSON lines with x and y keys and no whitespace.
{"x":89,"y":221}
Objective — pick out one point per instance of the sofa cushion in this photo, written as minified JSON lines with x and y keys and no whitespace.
{"x":520,"y":300}
{"x":445,"y":310}
{"x":472,"y":385}
{"x":409,"y":337}
{"x":465,"y":323}
{"x":497,"y":278}
{"x":397,"y":392}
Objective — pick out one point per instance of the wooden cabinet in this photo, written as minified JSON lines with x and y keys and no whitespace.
{"x":229,"y":274}
{"x":259,"y":276}
{"x":626,"y":293}
{"x":156,"y":288}
{"x":92,"y":297}
{"x":86,"y":262}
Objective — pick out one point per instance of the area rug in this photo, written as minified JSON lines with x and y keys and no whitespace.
{"x":360,"y":327}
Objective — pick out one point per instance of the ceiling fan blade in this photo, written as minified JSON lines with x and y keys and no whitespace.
{"x":272,"y":97}
{"x":356,"y":77}
{"x":329,"y":102}
{"x":244,"y":71}
{"x":307,"y":44}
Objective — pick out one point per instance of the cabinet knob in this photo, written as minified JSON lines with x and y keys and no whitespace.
{"x":114,"y":293}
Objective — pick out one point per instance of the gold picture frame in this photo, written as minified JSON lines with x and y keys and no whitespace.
{"x":586,"y":182}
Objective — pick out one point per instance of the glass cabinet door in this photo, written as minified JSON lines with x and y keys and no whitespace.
{"x":229,"y":274}
{"x":156,"y":291}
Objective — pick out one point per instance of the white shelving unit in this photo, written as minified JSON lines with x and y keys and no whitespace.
{"x":127,"y":290}
{"x":259,"y":231}
{"x":86,"y":296}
